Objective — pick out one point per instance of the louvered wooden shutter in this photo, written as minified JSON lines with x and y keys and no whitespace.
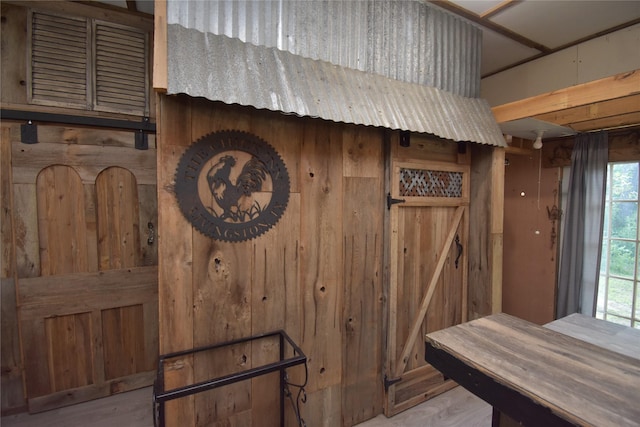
{"x":58,"y":60}
{"x":120,"y":72}
{"x":88,"y":64}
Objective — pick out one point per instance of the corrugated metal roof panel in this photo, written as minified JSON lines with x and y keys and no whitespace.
{"x":225,"y":69}
{"x":410,"y":41}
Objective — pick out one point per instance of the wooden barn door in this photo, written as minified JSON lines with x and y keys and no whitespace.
{"x":428,"y":272}
{"x":87,"y":265}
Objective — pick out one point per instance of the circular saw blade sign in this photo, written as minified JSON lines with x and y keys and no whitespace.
{"x":232,"y":186}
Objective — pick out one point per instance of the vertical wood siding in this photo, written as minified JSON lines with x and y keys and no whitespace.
{"x":316,"y":274}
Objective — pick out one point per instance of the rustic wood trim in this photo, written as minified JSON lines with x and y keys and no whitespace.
{"x":617,"y":86}
{"x":87,"y":160}
{"x":618,"y":121}
{"x":92,"y":10}
{"x":624,"y":145}
{"x":81,"y":292}
{"x":415,"y":328}
{"x":500,"y":7}
{"x":160,"y":76}
{"x":497,"y":227}
{"x":90,"y":392}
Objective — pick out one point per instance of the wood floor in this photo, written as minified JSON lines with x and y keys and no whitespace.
{"x":456,"y":408}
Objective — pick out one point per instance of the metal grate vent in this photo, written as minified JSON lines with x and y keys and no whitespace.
{"x":430,"y":183}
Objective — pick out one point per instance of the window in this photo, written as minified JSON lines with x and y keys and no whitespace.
{"x":88,"y":64}
{"x":618,"y":290}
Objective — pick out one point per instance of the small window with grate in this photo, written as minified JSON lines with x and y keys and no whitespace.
{"x":88,"y":64}
{"x":430,"y":183}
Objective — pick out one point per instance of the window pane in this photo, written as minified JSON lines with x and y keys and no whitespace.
{"x":607,"y":219}
{"x":620,"y":294}
{"x":624,"y":219}
{"x":624,"y":185}
{"x":637,"y":303}
{"x":622,"y":258}
{"x":602,"y":290}
{"x":618,"y":320}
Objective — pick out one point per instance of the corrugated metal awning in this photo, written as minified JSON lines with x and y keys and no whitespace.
{"x":226,"y":69}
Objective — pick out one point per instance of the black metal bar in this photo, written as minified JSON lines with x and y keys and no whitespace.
{"x":228,"y":379}
{"x":34,"y":116}
{"x":299,"y":358}
{"x":519,"y":407}
{"x":228,"y":343}
{"x":282,"y":382}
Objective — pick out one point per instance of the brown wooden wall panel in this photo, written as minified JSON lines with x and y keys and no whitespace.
{"x":14,"y":67}
{"x":175,"y":252}
{"x":69,"y":351}
{"x":25,"y":218}
{"x":363,"y":294}
{"x":118,"y":219}
{"x":65,"y":313}
{"x":321,"y":257}
{"x":61,"y":222}
{"x":87,"y":160}
{"x":123,"y":336}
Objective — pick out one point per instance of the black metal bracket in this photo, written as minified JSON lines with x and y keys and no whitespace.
{"x":391,"y":201}
{"x":141,"y":141}
{"x":29,"y":133}
{"x":161,"y":396}
{"x":388,"y":382}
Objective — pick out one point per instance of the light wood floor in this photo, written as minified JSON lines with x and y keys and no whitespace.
{"x":456,"y":408}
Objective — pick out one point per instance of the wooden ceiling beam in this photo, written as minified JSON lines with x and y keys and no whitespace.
{"x":597,"y":110}
{"x":617,"y":86}
{"x":506,"y":4}
{"x":621,"y":120}
{"x":465,"y":13}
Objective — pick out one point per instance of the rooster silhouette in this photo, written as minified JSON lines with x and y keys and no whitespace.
{"x":235,"y":199}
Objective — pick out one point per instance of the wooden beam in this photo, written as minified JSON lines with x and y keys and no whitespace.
{"x":160,"y":78}
{"x":499,"y":8}
{"x":617,"y":86}
{"x":619,"y":121}
{"x":598,"y":110}
{"x":465,"y":13}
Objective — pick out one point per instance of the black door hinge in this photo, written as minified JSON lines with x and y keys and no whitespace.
{"x":389,"y":382}
{"x":391,"y":201}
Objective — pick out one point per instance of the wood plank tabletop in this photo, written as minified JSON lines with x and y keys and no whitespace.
{"x":571,"y":379}
{"x":618,"y":338}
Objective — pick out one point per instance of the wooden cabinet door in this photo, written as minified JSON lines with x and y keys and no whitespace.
{"x":428,"y":273}
{"x":84,"y":217}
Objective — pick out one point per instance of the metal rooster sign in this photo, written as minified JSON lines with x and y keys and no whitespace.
{"x":232,"y":185}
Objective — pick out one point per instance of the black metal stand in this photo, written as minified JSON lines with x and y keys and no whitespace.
{"x":160,"y":395}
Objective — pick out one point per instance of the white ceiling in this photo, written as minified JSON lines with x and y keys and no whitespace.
{"x":519,"y":31}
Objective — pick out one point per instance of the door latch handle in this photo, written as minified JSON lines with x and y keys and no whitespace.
{"x":459,"y":246}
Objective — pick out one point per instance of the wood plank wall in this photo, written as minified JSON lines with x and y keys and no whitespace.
{"x":318,"y":274}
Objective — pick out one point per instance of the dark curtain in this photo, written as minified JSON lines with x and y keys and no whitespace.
{"x":583,"y":222}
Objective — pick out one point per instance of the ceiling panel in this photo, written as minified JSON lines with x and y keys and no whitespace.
{"x":478,"y":7}
{"x":558,"y":23}
{"x":499,"y":52}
